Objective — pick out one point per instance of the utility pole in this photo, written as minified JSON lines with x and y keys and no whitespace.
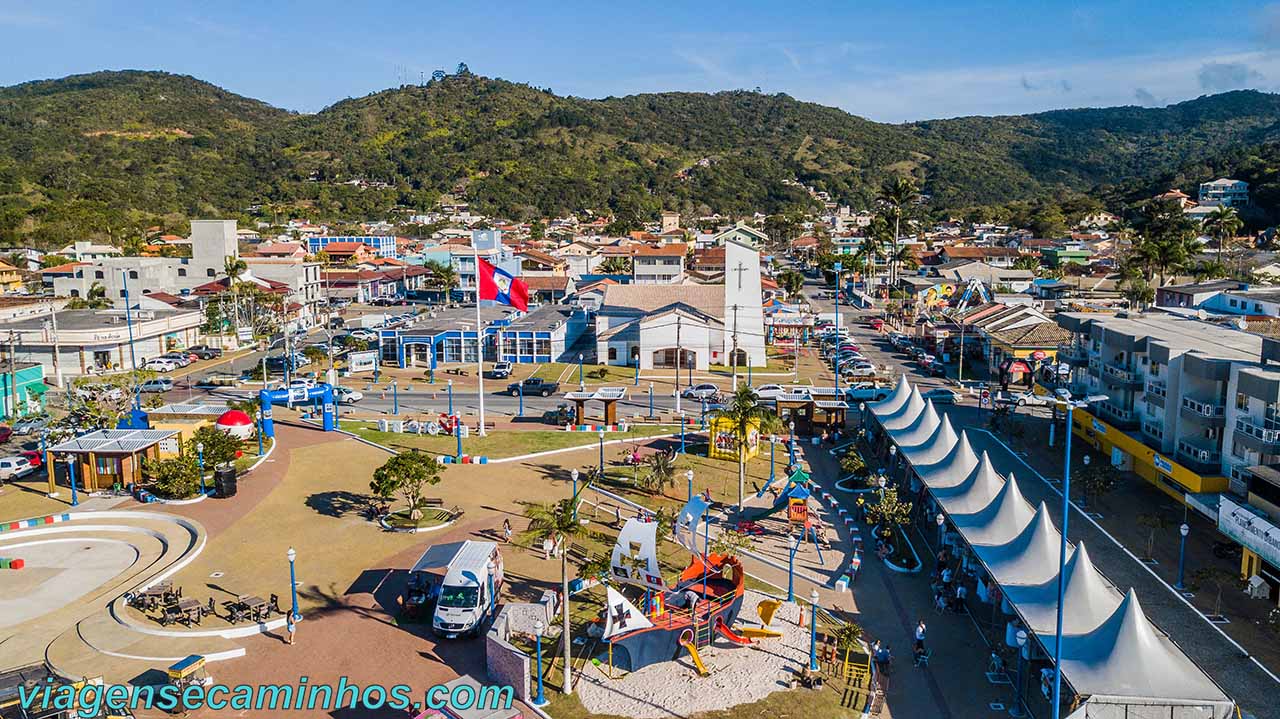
{"x":57,"y":348}
{"x":960,"y":369}
{"x":734,"y":353}
{"x":679,"y":357}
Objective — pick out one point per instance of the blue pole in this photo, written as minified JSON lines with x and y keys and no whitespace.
{"x":601,"y":453}
{"x":706,"y":548}
{"x":702,"y":423}
{"x":133,"y":355}
{"x":1182,"y":557}
{"x":520,"y":388}
{"x":395,"y":398}
{"x":813,"y":632}
{"x":837,"y":267}
{"x":681,"y":433}
{"x":650,"y":400}
{"x":200,"y":465}
{"x":580,"y":382}
{"x":258,"y":421}
{"x":690,"y":478}
{"x":293,"y":585}
{"x":71,"y":473}
{"x":637,"y":380}
{"x":772,"y":465}
{"x":791,"y":570}
{"x":451,"y":398}
{"x":1062,"y":563}
{"x":749,"y":375}
{"x":457,"y":432}
{"x":541,"y":699}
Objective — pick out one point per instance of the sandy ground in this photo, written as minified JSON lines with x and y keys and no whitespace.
{"x":739,"y":675}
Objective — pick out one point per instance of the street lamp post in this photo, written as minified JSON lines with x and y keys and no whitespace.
{"x":893,"y":459}
{"x":293,"y":586}
{"x":259,"y":419}
{"x":200,"y":463}
{"x":791,"y":568}
{"x":942,"y":529}
{"x":450,"y":397}
{"x":682,"y":432}
{"x":1084,"y":495}
{"x":837,"y":267}
{"x":581,"y":383}
{"x":1184,"y":530}
{"x":773,"y":441}
{"x":541,"y":699}
{"x":862,"y":416}
{"x":1017,"y":710}
{"x":457,"y":433}
{"x":520,"y":391}
{"x":813,"y":631}
{"x":395,"y":398}
{"x":1056,"y":701}
{"x":689,"y":476}
{"x":573,"y":475}
{"x":650,"y":400}
{"x":602,"y":454}
{"x":71,"y":474}
{"x":884,"y":481}
{"x":702,"y":422}
{"x":791,"y":443}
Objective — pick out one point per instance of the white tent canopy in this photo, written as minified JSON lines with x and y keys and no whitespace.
{"x":1029,"y":558}
{"x":975,"y":492}
{"x":906,"y":415}
{"x":951,"y":469}
{"x":1089,"y":600}
{"x":1127,"y":659}
{"x":919,"y":431}
{"x":998,"y":522}
{"x":894,"y":402}
{"x":934,"y":448}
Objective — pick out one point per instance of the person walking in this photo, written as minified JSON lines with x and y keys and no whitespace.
{"x":920,"y":632}
{"x":291,"y":627}
{"x":506,"y":530}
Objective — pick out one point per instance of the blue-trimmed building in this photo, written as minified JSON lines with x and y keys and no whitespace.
{"x":384,"y":245}
{"x":449,"y":337}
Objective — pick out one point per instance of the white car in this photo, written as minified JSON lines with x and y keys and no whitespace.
{"x":700,"y":391}
{"x":1023,"y":399}
{"x":770,"y":391}
{"x":299,"y":383}
{"x":14,"y":467}
{"x":160,"y":364}
{"x":346,"y":395}
{"x":364,"y":334}
{"x":866,"y":392}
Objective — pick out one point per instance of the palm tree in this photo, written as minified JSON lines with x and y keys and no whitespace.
{"x":1168,"y":237}
{"x":616,"y":265}
{"x":897,"y":195}
{"x":443,"y":277}
{"x":1223,"y":223}
{"x":559,"y":523}
{"x":661,"y":472}
{"x":745,"y":416}
{"x":791,"y":282}
{"x":95,"y":299}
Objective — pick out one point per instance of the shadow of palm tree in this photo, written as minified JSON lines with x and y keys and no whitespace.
{"x":338,"y":503}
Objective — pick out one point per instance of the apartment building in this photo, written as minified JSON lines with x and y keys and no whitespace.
{"x":212,"y":242}
{"x":661,"y":265}
{"x":1232,"y":193}
{"x":1186,"y":399}
{"x":383,"y":245}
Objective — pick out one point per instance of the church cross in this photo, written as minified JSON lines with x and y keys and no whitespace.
{"x":740,"y":269}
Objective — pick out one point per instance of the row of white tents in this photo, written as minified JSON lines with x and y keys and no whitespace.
{"x":1113,"y":657}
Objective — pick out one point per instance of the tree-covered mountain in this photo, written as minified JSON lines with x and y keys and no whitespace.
{"x":106,"y":153}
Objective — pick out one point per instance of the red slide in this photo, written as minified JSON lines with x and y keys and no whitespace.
{"x":723,"y":630}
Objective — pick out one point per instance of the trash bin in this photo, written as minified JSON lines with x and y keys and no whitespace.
{"x":224,"y":481}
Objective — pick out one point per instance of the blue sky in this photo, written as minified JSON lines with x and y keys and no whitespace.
{"x":886,"y":61}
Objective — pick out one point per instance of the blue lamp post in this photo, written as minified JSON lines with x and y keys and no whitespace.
{"x":636,"y":381}
{"x":541,"y":699}
{"x":682,"y":433}
{"x":1184,"y":530}
{"x":71,"y":474}
{"x":602,"y":454}
{"x":450,"y":397}
{"x":520,"y":389}
{"x":457,"y":433}
{"x":200,"y":463}
{"x":791,"y":444}
{"x":258,"y":417}
{"x":573,"y":475}
{"x":1018,"y":710}
{"x":1056,"y":701}
{"x":813,"y":631}
{"x":702,"y":423}
{"x":650,"y":400}
{"x":293,"y":585}
{"x":791,"y":569}
{"x":773,"y":441}
{"x":395,"y":397}
{"x":837,"y":267}
{"x":689,"y":476}
{"x":581,"y":383}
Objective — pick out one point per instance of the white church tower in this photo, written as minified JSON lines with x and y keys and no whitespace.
{"x":743,"y":303}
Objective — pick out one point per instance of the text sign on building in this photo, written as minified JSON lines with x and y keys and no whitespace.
{"x":1249,"y":529}
{"x":362,"y":361}
{"x":1162,"y":464}
{"x":1099,"y":427}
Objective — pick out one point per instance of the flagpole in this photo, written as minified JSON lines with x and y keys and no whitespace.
{"x":479,"y":338}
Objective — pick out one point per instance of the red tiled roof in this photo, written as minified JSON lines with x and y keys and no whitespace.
{"x":979,"y":252}
{"x":166,"y":298}
{"x":279,"y":248}
{"x":63,"y":269}
{"x":541,"y":257}
{"x":546,"y":283}
{"x":676,"y":250}
{"x":598,"y":284}
{"x":221,"y":285}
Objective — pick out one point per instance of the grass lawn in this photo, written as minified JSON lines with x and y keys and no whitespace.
{"x":502,"y":443}
{"x":250,"y":455}
{"x":567,"y":373}
{"x":430,"y":518}
{"x":772,"y":364}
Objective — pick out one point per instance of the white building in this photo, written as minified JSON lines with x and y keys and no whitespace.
{"x":653,"y":325}
{"x":85,"y":251}
{"x":1232,"y":193}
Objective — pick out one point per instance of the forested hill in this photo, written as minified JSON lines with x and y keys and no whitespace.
{"x":103,"y":153}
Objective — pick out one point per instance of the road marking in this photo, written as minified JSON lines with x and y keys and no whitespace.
{"x":1131,"y":555}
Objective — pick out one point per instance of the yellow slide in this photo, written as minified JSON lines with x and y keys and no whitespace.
{"x":697,"y":660}
{"x":758,"y":633}
{"x":766,"y":609}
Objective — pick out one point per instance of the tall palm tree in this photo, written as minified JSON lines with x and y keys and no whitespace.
{"x":897,"y":196}
{"x":233,"y":268}
{"x":559,"y":523}
{"x":1223,"y":223}
{"x":443,"y":277}
{"x":745,"y":415}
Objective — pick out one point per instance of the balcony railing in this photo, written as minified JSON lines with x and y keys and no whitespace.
{"x":1157,"y":388}
{"x":1122,"y":374}
{"x":1070,"y":352}
{"x":1095,"y":365}
{"x":1199,"y":455}
{"x":1203,"y":410}
{"x":1265,"y":438}
{"x":1153,"y":430}
{"x":1117,"y":414}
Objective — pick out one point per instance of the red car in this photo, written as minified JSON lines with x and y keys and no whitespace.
{"x":6,"y":433}
{"x":33,"y":456}
{"x":876,"y":324}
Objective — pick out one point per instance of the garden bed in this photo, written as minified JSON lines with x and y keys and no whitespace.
{"x":431,"y":519}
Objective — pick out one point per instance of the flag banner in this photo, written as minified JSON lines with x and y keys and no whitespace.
{"x":500,"y":286}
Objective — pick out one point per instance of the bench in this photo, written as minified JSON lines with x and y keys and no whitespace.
{"x":432,"y":502}
{"x":456,"y":371}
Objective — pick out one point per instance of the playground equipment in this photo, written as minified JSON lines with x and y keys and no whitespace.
{"x":445,"y":424}
{"x":765,"y":610}
{"x":686,"y":641}
{"x":724,"y":440}
{"x":319,"y":394}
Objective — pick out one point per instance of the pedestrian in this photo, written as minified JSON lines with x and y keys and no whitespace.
{"x":506,"y":530}
{"x":291,"y":627}
{"x":546,"y":547}
{"x":946,"y":576}
{"x":617,"y":515}
{"x":920,"y":632}
{"x":957,"y":604}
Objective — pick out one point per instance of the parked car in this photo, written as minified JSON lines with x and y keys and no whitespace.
{"x":160,"y":364}
{"x":534,"y":386}
{"x":14,"y":467}
{"x":1023,"y":399}
{"x":706,"y":390}
{"x":181,"y":358}
{"x":30,"y":425}
{"x":866,"y":392}
{"x":336,"y":323}
{"x":942,"y":395}
{"x":6,"y":433}
{"x":159,"y":384}
{"x":501,"y":370}
{"x":346,"y":395}
{"x":205,"y":352}
{"x":34,"y":456}
{"x":876,"y":324}
{"x":361,"y":333}
{"x":935,"y":369}
{"x":298,"y":383}
{"x":770,"y":391}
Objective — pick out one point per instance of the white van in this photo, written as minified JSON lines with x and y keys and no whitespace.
{"x":468,"y":592}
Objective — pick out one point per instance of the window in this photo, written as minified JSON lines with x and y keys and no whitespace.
{"x":209,"y":272}
{"x":182,"y":272}
{"x":122,"y":294}
{"x":1233,"y":303}
{"x":75,"y":293}
{"x":98,"y":274}
{"x":1242,"y":401}
{"x":1257,"y":306}
{"x":133,"y":274}
{"x":613,"y":353}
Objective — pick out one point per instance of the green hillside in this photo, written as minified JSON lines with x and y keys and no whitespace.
{"x":106,"y":153}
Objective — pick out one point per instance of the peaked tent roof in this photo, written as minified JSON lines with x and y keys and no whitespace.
{"x":1088,"y":598}
{"x":975,"y":492}
{"x":1126,"y":658}
{"x":935,"y":448}
{"x":919,"y":431}
{"x":1029,"y":558}
{"x":999,"y":521}
{"x":951,"y":469}
{"x":894,"y":402}
{"x":905,"y":416}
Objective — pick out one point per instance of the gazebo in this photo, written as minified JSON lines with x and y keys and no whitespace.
{"x":609,"y":396}
{"x":110,"y":456}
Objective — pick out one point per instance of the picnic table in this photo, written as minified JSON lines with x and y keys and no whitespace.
{"x":155,"y":596}
{"x":249,"y":607}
